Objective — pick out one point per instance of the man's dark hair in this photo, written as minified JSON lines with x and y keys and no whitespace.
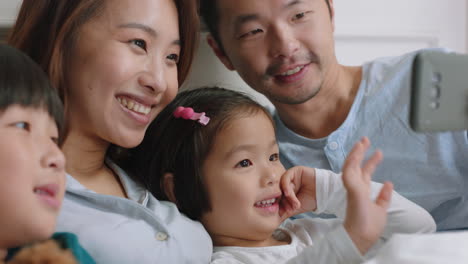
{"x":180,"y":146}
{"x":24,"y":83}
{"x":210,"y":15}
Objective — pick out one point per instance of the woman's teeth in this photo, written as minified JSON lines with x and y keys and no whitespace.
{"x":293,"y":71}
{"x":266,"y":203}
{"x":134,"y":106}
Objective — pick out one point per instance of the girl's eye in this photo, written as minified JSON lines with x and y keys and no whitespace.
{"x":244,"y":163}
{"x":174,"y":57}
{"x":23,"y":125}
{"x":274,"y":157}
{"x":139,"y":43}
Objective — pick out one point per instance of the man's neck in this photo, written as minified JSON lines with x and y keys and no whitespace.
{"x":328,"y":109}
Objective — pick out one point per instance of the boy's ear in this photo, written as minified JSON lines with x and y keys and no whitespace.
{"x":168,"y":186}
{"x":219,"y":52}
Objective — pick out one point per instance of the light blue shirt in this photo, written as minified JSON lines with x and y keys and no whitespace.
{"x":430,"y":169}
{"x":139,"y":230}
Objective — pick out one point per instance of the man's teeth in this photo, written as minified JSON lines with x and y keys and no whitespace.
{"x":134,"y":106}
{"x":265,"y":203}
{"x":293,"y":71}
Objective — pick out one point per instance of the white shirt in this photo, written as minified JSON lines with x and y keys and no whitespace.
{"x":137,"y":230}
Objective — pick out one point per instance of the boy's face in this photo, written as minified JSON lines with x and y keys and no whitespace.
{"x":32,"y":175}
{"x":242,"y":174}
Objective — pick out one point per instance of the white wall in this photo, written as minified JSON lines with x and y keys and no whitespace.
{"x":8,"y":11}
{"x":366,"y":29}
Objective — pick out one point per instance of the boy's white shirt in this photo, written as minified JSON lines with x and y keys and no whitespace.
{"x":325,"y":240}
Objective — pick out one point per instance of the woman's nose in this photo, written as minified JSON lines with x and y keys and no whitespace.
{"x":153,"y":78}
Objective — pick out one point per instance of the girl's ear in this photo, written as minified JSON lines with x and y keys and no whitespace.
{"x":168,"y":186}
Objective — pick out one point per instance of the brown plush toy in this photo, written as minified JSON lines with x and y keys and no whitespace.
{"x":47,"y":252}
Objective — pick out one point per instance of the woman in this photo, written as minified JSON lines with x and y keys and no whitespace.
{"x":116,"y":64}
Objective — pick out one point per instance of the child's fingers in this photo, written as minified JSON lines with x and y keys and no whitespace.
{"x":287,"y":208}
{"x":385,"y":195}
{"x":288,"y":187}
{"x":371,"y":164}
{"x":356,"y":155}
{"x":286,"y":183}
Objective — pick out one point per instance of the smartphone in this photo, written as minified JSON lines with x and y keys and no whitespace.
{"x":439,"y":92}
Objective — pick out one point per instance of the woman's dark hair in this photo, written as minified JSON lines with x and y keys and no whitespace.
{"x":47,"y":31}
{"x":24,"y":83}
{"x":179,"y":146}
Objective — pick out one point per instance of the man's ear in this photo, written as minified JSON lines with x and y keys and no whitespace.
{"x":168,"y":186}
{"x":332,"y":14}
{"x":219,"y":52}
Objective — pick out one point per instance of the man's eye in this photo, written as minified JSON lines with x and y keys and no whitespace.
{"x":23,"y":125}
{"x":251,"y":33}
{"x":139,"y":43}
{"x":274,"y":157}
{"x":244,"y":163}
{"x":300,"y":16}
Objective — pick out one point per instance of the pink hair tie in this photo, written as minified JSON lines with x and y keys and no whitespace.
{"x":188,"y":113}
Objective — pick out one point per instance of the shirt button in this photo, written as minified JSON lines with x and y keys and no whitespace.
{"x":161,"y":236}
{"x":333,"y":145}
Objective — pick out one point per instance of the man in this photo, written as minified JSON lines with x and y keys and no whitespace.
{"x":284,"y":49}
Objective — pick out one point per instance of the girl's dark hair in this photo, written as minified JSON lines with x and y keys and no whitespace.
{"x":23,"y":82}
{"x":179,"y":146}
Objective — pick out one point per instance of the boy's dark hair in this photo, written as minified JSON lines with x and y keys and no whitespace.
{"x":179,"y":146}
{"x":210,"y":13}
{"x":24,"y":83}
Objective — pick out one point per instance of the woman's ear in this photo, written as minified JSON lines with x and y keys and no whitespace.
{"x":168,"y":186}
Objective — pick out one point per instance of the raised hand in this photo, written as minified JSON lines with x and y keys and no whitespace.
{"x":298,"y":187}
{"x":365,"y":219}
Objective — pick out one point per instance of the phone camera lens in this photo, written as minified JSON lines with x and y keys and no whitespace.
{"x":436,"y":77}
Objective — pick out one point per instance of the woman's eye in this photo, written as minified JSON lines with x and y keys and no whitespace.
{"x":244,"y":163}
{"x":22,"y":125}
{"x":139,"y":42}
{"x":274,"y":157}
{"x":55,"y":140}
{"x":174,"y":57}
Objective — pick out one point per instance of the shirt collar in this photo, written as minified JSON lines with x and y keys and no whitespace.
{"x":134,"y":191}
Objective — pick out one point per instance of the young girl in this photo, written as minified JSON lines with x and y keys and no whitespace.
{"x":32,"y":171}
{"x":213,"y":152}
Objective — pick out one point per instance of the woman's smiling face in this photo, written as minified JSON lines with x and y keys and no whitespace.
{"x":123,"y":70}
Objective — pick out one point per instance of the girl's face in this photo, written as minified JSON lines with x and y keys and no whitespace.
{"x":242,"y":174}
{"x":32,"y":175}
{"x":123,"y":70}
